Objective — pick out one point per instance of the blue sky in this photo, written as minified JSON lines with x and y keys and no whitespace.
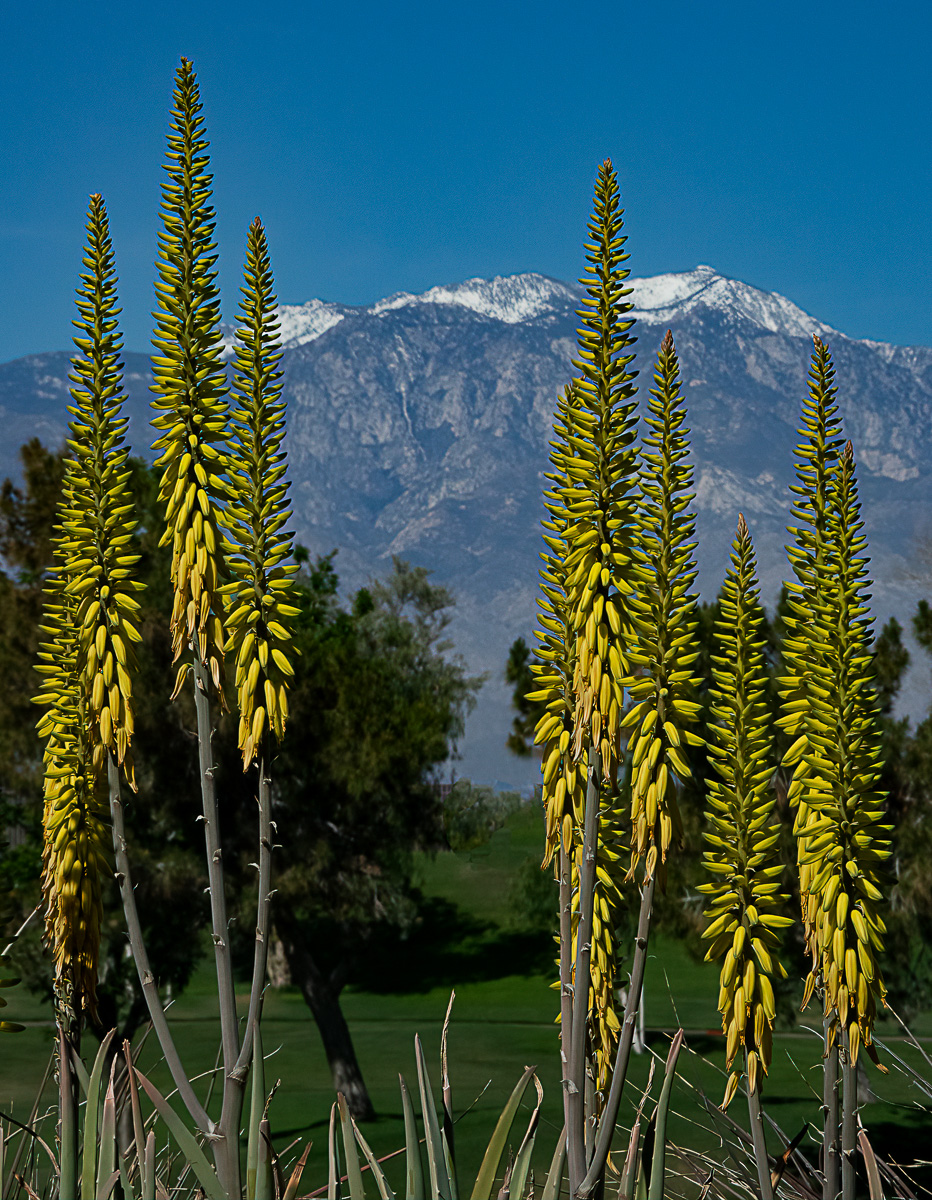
{"x":396,"y":146}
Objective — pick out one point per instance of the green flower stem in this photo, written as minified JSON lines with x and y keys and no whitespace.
{"x":137,"y":945}
{"x":263,"y":905}
{"x":606,"y":1129}
{"x":226,"y":1145}
{"x":578,"y":1075}
{"x":849,"y":1124}
{"x":68,"y":1117}
{"x":830,"y":1118}
{"x":756,"y":1121}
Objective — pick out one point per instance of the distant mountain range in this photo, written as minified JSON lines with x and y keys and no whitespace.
{"x":419,"y":425}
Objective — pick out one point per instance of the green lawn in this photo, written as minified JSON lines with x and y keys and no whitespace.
{"x":499,"y":1025}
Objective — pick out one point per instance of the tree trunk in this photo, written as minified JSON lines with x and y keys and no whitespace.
{"x":322,"y":996}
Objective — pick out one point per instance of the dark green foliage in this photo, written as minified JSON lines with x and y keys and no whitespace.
{"x":379,"y":704}
{"x":518,"y":673}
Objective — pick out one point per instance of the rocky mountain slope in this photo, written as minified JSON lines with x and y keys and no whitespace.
{"x":419,"y":427}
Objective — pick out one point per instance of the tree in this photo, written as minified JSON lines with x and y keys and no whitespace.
{"x":518,"y":673}
{"x":379,"y":702}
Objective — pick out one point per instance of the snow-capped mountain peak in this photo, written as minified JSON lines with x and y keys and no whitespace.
{"x":679,"y":293}
{"x":507,"y":298}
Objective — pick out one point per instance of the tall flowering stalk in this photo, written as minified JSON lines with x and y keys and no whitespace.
{"x":259,"y":617}
{"x":830,"y":706}
{"x":744,"y":898}
{"x":88,"y":662}
{"x":584,"y":636}
{"x":190,"y":382}
{"x":816,"y":459}
{"x":663,"y":610}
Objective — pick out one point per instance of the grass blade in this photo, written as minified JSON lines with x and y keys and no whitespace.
{"x":357,"y":1189}
{"x":436,"y":1162}
{"x":658,"y":1165}
{"x":485,"y":1180}
{"x":414,"y":1169}
{"x":187,"y":1142}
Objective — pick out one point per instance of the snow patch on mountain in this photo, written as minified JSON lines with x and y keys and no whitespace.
{"x":301,"y":323}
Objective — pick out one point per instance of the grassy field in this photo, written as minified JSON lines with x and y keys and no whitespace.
{"x":501,"y":1022}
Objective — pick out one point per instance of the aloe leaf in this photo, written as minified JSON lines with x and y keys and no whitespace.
{"x":658,"y":1164}
{"x":139,"y":1134}
{"x":485,"y":1180}
{"x":333,"y":1160}
{"x":256,"y":1109}
{"x":91,"y":1117}
{"x":291,"y":1190}
{"x":129,"y":1192}
{"x":875,"y":1187}
{"x":264,"y":1182}
{"x":149,"y":1191}
{"x":80,"y":1071}
{"x":187,"y":1142}
{"x":414,"y":1170}
{"x":554,"y":1182}
{"x":449,"y":1149}
{"x":107,"y":1136}
{"x":436,"y":1163}
{"x":525,"y":1150}
{"x":357,"y":1189}
{"x":630,"y":1171}
{"x":375,"y":1166}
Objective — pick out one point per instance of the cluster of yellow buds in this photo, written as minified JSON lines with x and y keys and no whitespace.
{"x":743,"y":911}
{"x":190,"y":383}
{"x":663,"y":617}
{"x":259,"y":617}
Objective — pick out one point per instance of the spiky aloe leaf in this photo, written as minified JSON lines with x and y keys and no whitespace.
{"x":743,"y":909}
{"x":663,"y":614}
{"x":189,"y":381}
{"x":259,"y":619}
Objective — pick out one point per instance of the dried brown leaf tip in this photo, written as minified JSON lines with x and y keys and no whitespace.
{"x":667,"y":344}
{"x":743,"y":532}
{"x":848,"y":453}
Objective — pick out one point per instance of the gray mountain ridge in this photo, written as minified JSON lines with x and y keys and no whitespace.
{"x":418,"y":427}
